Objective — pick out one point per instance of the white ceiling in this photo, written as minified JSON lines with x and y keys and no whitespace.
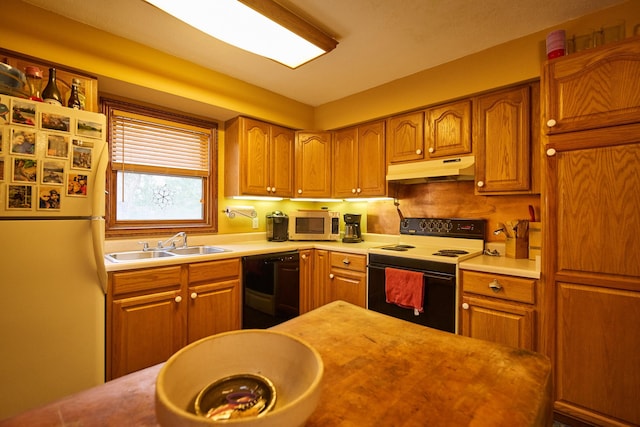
{"x":379,"y":40}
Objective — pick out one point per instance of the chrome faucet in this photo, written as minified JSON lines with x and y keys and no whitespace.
{"x":162,"y":246}
{"x":171,"y":241}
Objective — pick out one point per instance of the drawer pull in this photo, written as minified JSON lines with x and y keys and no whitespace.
{"x":495,"y":286}
{"x":346,"y":261}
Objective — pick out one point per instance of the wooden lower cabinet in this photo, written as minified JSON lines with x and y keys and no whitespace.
{"x":306,"y":280}
{"x":499,"y":308}
{"x":153,"y":312}
{"x":338,"y":276}
{"x":214,"y":298}
{"x":348,"y":278}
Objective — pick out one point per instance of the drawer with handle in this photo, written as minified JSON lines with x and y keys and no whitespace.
{"x":510,"y":288}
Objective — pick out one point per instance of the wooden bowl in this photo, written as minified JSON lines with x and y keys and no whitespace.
{"x":294,"y":368}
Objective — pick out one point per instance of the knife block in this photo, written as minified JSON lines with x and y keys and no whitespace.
{"x":517,"y":247}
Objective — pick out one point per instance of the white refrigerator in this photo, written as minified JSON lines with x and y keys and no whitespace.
{"x":52,"y":277}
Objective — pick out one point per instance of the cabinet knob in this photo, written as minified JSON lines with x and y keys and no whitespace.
{"x":551,"y":123}
{"x":358,"y":190}
{"x":268,"y":189}
{"x":480,"y":184}
{"x":273,"y":189}
{"x":194,"y":295}
{"x":303,"y":256}
{"x":465,"y":306}
{"x":431,"y":149}
{"x":418,"y":151}
{"x":331,"y":276}
{"x":353,"y":191}
{"x":495,"y":286}
{"x":551,"y":152}
{"x":178,"y":298}
{"x":299,"y":190}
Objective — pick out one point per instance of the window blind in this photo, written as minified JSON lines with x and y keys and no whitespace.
{"x":148,"y":144}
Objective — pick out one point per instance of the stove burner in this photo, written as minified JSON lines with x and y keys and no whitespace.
{"x":450,"y":252}
{"x":398,"y":247}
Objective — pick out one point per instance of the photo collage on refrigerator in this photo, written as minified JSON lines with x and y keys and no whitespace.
{"x":46,"y":155}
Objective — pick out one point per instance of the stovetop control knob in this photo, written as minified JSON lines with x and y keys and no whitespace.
{"x":423,"y":224}
{"x":448,"y":225}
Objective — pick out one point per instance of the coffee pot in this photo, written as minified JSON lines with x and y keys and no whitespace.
{"x":352,"y":232}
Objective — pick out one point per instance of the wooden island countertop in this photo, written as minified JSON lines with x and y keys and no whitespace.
{"x":379,"y":371}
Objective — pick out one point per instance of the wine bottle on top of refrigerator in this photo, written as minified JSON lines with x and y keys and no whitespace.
{"x":74,"y":98}
{"x":51,"y":93}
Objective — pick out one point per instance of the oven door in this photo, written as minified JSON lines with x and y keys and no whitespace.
{"x":439,"y":298}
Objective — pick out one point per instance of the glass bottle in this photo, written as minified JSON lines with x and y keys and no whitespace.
{"x":34,"y":80}
{"x":51,"y":93}
{"x":74,"y":98}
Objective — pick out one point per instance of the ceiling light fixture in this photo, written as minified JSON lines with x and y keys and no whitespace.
{"x":259,"y":26}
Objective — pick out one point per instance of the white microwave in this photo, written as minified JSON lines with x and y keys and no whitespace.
{"x":314,"y":225}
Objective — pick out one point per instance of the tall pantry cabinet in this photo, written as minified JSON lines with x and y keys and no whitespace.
{"x":591,"y":212}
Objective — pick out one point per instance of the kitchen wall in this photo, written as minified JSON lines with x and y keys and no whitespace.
{"x":132,"y":70}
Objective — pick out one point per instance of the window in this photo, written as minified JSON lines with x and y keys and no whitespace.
{"x":162,"y":172}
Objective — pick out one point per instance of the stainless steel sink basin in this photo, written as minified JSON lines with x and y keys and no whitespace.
{"x":198,"y":250}
{"x":137,"y":255}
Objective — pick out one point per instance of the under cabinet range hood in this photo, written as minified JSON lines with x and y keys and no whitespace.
{"x":452,"y":169}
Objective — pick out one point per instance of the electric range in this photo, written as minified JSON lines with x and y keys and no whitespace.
{"x":432,"y":247}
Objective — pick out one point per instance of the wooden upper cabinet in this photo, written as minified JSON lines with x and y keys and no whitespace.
{"x":593,"y":88}
{"x":258,"y":159}
{"x":359,"y":161}
{"x":448,"y":130}
{"x":313,"y":164}
{"x":346,"y":163}
{"x":405,"y":138}
{"x":88,"y":84}
{"x":506,"y":153}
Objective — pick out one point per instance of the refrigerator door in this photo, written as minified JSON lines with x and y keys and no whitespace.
{"x":52,"y":313}
{"x":52,"y":160}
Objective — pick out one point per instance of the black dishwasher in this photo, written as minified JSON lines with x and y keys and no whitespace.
{"x":271,"y":289}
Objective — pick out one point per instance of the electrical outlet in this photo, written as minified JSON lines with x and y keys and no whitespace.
{"x":255,"y":223}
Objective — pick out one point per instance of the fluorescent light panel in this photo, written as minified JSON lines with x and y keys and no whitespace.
{"x":250,"y":25}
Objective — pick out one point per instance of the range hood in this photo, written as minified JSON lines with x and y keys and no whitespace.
{"x":453,"y":169}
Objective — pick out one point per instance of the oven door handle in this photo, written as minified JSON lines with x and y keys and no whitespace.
{"x":430,"y":274}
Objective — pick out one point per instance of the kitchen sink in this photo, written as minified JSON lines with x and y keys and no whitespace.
{"x":183,"y":251}
{"x":136,"y":255}
{"x":198,"y":250}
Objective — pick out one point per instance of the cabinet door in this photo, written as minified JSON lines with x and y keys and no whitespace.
{"x":499,"y":322}
{"x":213,"y":308}
{"x":281,"y":161}
{"x":349,"y":286}
{"x":448,"y":130}
{"x":255,"y":157}
{"x":598,"y":355}
{"x":306,"y":281}
{"x":313,"y":164}
{"x":322,"y":269}
{"x":405,"y":137}
{"x":372,"y":168}
{"x":593,"y":88}
{"x":145,"y":330}
{"x":346,"y":163}
{"x":503,"y":141}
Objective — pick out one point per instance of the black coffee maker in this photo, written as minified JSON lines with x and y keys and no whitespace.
{"x":277,"y":226}
{"x":352,"y":233}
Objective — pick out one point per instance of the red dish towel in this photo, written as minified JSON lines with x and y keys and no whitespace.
{"x":404,"y":288}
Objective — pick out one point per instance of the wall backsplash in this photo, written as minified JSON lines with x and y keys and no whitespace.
{"x":448,"y":200}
